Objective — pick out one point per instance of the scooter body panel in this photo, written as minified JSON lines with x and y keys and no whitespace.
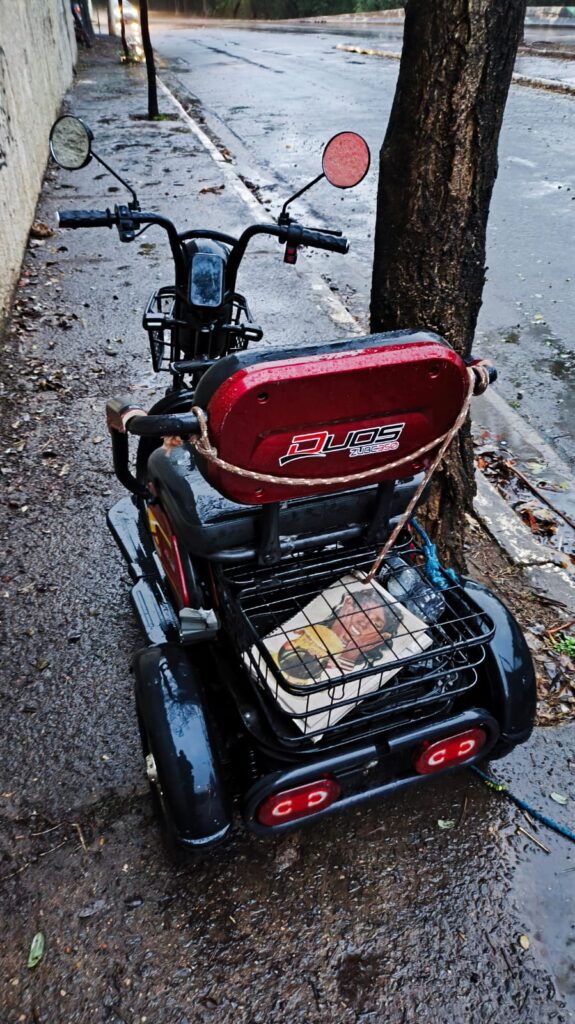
{"x":339,"y":413}
{"x":508,"y":669}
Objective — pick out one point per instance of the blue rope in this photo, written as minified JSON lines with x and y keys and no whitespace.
{"x":440,"y":577}
{"x":500,"y":787}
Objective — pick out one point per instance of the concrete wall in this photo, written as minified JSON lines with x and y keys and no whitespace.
{"x":37,"y":55}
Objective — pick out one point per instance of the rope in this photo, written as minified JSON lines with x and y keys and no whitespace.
{"x":384,"y":551}
{"x":478,"y":379}
{"x":440,"y":577}
{"x":500,"y":787}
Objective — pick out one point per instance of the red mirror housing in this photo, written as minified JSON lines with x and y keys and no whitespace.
{"x":346,"y":160}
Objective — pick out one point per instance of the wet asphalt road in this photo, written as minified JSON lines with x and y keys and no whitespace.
{"x":274,"y":96}
{"x":380,"y":915}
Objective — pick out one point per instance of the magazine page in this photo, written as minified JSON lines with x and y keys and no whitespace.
{"x":351,"y":626}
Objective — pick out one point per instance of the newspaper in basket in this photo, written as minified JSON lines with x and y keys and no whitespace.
{"x":341,"y":647}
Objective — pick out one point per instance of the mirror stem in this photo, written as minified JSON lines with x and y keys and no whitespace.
{"x":284,"y":216}
{"x":134,"y":205}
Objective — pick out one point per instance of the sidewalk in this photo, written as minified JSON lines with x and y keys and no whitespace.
{"x":130,"y":933}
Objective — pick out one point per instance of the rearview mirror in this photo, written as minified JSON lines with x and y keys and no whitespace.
{"x":71,"y":143}
{"x":346,"y":160}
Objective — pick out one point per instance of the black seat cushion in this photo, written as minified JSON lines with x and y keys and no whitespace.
{"x":207,"y":523}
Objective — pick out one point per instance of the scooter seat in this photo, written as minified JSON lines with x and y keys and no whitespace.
{"x":208,"y":524}
{"x":335,"y":410}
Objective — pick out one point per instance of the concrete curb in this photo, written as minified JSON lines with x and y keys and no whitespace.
{"x":542,"y":565}
{"x":533,"y":83}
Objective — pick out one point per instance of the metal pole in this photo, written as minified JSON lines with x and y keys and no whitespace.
{"x":112,"y":10}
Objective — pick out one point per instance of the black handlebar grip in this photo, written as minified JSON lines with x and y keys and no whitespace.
{"x":86,"y":219}
{"x":170,"y":425}
{"x":320,"y":241}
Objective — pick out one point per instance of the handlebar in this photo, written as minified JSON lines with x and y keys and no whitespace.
{"x":127,"y":220}
{"x":123,"y":417}
{"x":170,"y":425}
{"x":296,"y":235}
{"x":86,"y":219}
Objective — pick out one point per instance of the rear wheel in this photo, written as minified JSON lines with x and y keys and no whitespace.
{"x":154,"y":781}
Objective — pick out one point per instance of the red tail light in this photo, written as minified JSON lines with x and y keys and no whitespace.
{"x":290,"y":804}
{"x":450,"y":751}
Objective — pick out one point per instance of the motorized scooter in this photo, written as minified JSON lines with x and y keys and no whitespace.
{"x":306,"y":652}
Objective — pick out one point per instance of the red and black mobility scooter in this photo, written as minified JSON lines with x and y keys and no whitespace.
{"x":305,"y":650}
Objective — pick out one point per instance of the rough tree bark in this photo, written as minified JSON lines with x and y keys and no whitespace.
{"x":125,"y":47}
{"x":153,"y":110}
{"x":438,"y":164}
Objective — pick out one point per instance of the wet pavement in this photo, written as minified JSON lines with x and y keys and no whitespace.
{"x":379,"y":915}
{"x":274,"y":96}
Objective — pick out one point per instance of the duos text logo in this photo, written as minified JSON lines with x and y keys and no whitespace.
{"x":366,"y":441}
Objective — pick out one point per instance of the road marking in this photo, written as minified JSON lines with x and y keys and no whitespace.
{"x":231,"y":176}
{"x":335,"y":308}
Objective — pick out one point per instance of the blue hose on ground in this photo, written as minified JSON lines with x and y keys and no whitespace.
{"x":500,"y":787}
{"x":440,"y":577}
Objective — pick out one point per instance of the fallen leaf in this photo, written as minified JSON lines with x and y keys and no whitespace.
{"x":40,"y":230}
{"x":92,"y":909}
{"x":216,"y":189}
{"x":446,"y":822}
{"x":559,"y":798}
{"x":36,"y":950}
{"x":524,"y":941}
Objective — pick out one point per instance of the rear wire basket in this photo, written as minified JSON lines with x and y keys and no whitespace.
{"x":442,"y":666}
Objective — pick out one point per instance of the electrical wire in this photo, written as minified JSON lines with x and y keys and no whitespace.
{"x":503,"y":789}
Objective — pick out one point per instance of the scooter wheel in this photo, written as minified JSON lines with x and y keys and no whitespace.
{"x":155,"y":783}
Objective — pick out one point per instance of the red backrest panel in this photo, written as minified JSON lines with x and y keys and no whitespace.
{"x":333,"y":414}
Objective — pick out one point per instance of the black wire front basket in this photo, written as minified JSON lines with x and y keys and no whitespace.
{"x":328,"y":655}
{"x":191,"y":338}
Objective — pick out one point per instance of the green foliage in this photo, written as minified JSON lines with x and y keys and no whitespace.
{"x":377,"y":5}
{"x":273,"y":9}
{"x":281,"y":8}
{"x":565,"y":645}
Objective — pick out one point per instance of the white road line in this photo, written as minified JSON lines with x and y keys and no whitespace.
{"x":231,"y":176}
{"x":333,"y":305}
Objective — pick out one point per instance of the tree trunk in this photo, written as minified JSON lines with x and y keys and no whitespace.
{"x":438,"y":164}
{"x":150,"y":65}
{"x":125,"y":47}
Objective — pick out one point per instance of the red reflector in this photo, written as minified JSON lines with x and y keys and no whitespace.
{"x":290,"y":804}
{"x":452,"y":750}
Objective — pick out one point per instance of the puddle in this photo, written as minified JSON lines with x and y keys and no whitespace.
{"x":536,"y":375}
{"x":544,"y":883}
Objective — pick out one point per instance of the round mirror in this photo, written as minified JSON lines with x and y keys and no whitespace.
{"x":70,"y":142}
{"x":346,"y":160}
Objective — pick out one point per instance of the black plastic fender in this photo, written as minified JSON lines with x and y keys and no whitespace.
{"x":172,"y":715}
{"x":508,"y":671}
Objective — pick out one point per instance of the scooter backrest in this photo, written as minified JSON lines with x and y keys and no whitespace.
{"x":333,"y":410}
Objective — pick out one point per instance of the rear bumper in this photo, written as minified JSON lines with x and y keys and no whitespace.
{"x":369,"y":772}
